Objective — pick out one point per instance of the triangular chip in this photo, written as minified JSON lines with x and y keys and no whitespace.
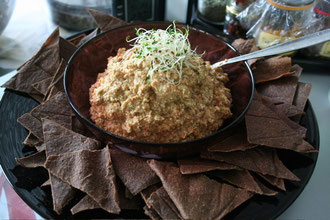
{"x":197,"y":165}
{"x":59,"y":140}
{"x":45,"y":184}
{"x":301,"y":96}
{"x":88,"y":37}
{"x":66,"y":49}
{"x":243,"y":179}
{"x":260,"y":159}
{"x":32,"y":124}
{"x":32,"y":161}
{"x":272,"y":68}
{"x":283,"y":89}
{"x":77,"y":39}
{"x":62,"y":193}
{"x":42,"y":85}
{"x":31,"y":140}
{"x":245,"y":46}
{"x":197,"y":196}
{"x":129,"y":168}
{"x":278,"y":182}
{"x":265,"y":127}
{"x":236,"y":141}
{"x":56,"y":84}
{"x":105,"y":21}
{"x":288,"y":109}
{"x":86,"y":203}
{"x":163,"y":205}
{"x":151,"y":213}
{"x":85,"y":170}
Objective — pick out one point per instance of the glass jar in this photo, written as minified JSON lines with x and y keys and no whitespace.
{"x":232,"y":25}
{"x":320,"y":21}
{"x":212,"y":11}
{"x":282,"y":20}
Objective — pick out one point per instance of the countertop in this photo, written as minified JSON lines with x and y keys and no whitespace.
{"x":31,"y":24}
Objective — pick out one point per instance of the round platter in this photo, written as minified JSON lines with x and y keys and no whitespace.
{"x":26,"y":182}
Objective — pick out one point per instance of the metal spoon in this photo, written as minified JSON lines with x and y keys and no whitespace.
{"x":302,"y":42}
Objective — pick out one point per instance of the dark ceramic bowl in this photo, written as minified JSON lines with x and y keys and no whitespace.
{"x":91,"y":59}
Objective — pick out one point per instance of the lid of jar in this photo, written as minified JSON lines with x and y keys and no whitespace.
{"x":294,"y":3}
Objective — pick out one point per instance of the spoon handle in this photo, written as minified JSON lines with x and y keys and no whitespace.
{"x":302,"y":42}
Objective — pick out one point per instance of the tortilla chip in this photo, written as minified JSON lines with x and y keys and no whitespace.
{"x":77,"y":39}
{"x":86,"y":203}
{"x":88,"y":37}
{"x":278,"y":182}
{"x":145,"y":194}
{"x":272,"y":68}
{"x":197,"y":196}
{"x":86,"y":169}
{"x":32,"y":124}
{"x":288,"y":110}
{"x":48,"y":57}
{"x":129,"y":168}
{"x":132,"y":203}
{"x":42,"y":85}
{"x":163,"y":205}
{"x":38,"y":97}
{"x":236,"y":141}
{"x":301,"y":97}
{"x":243,"y":179}
{"x":25,"y":78}
{"x":56,"y":84}
{"x":32,"y":161}
{"x":283,"y":89}
{"x":151,"y":213}
{"x":105,"y":21}
{"x":261,"y":159}
{"x":265,"y":127}
{"x":59,"y":140}
{"x":31,"y":140}
{"x":198,"y":165}
{"x":245,"y":46}
{"x":66,"y":49}
{"x":62,"y":193}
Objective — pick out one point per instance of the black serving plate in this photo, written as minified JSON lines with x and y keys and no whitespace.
{"x":26,"y":182}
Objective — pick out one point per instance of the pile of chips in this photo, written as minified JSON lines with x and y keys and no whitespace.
{"x":241,"y":163}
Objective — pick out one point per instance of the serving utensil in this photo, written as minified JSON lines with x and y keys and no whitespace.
{"x":299,"y":43}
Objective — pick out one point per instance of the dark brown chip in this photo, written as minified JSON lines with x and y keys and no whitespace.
{"x":42,"y":85}
{"x":125,"y":203}
{"x":245,"y":46}
{"x":265,"y":127}
{"x":31,"y":140}
{"x":243,"y":179}
{"x":32,"y":124}
{"x":277,"y":182}
{"x":301,"y":96}
{"x":272,"y":68}
{"x":66,"y":49}
{"x":86,"y":203}
{"x":56,"y":84}
{"x":88,"y":37}
{"x":25,"y":78}
{"x":129,"y":168}
{"x":261,"y":159}
{"x":59,"y":140}
{"x":145,"y":194}
{"x":62,"y":193}
{"x":48,"y":57}
{"x":32,"y":161}
{"x":283,"y":89}
{"x":235,"y":141}
{"x":77,"y":39}
{"x":288,"y":110}
{"x":163,"y":205}
{"x":197,"y":165}
{"x":197,"y":196}
{"x":86,"y":170}
{"x":151,"y":213}
{"x":37,"y":97}
{"x":105,"y":21}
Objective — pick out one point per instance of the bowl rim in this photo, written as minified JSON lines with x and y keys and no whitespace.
{"x":217,"y":132}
